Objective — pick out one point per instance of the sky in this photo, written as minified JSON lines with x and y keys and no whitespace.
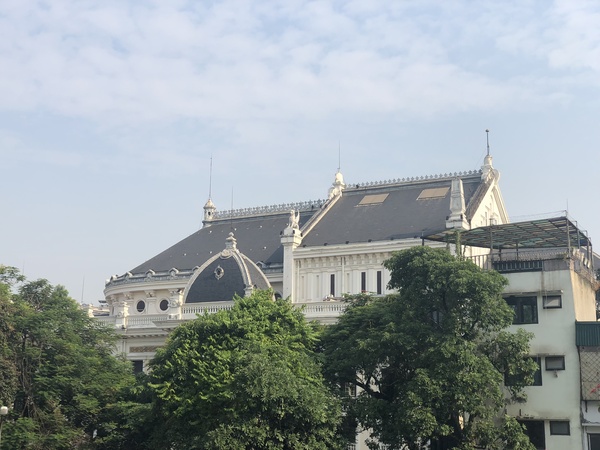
{"x":110,"y":112}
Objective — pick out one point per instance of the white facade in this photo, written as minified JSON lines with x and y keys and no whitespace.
{"x":562,"y":296}
{"x":322,"y":253}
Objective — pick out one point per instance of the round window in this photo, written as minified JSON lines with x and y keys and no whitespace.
{"x":141,"y":306}
{"x":164,"y":305}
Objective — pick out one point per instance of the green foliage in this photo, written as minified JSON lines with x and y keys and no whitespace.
{"x":128,"y":423}
{"x":57,"y":365}
{"x":8,"y":370}
{"x":244,"y":379}
{"x":430,"y":360}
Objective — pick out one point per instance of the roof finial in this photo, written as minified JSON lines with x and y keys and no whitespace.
{"x":230,"y":242}
{"x":487,"y":137}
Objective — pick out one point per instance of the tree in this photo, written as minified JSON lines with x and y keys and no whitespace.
{"x":246,"y":378}
{"x":430,"y":360}
{"x":8,"y":370}
{"x":64,"y":370}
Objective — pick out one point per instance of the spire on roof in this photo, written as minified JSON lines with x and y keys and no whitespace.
{"x":209,"y":206}
{"x":487,"y":169}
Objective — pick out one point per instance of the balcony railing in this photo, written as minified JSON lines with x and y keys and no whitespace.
{"x":312,"y":311}
{"x":513,"y":261}
{"x":535,"y":265}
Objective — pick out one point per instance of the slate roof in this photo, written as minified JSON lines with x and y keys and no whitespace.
{"x":209,"y":288}
{"x":257,"y":237}
{"x":401,"y":215}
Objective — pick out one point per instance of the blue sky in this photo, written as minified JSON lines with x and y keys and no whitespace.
{"x":110,"y":111}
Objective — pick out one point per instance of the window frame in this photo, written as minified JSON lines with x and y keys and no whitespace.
{"x":138,"y":366}
{"x":332,"y":284}
{"x":557,"y":432}
{"x":548,"y":298}
{"x":593,"y":441}
{"x":539,"y":427}
{"x":558,"y":358}
{"x":518,"y":304}
{"x":537,"y":376}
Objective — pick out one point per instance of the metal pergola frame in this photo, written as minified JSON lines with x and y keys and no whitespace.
{"x":555,"y":232}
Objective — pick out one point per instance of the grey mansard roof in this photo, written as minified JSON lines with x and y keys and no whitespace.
{"x":257,"y":238}
{"x":397,"y":209}
{"x":400,"y":215}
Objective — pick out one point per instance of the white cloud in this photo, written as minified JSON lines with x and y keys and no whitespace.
{"x":117,"y":61}
{"x":13,"y":151}
{"x":577,"y":39}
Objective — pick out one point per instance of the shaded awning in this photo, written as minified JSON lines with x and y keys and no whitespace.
{"x":542,"y":233}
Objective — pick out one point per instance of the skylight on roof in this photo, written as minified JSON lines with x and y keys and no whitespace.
{"x":427,"y":194}
{"x":372,"y":199}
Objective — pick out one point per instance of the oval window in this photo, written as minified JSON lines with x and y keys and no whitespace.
{"x":164,"y":305}
{"x":141,"y":306}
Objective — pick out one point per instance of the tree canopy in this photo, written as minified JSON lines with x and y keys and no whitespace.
{"x":245,"y":378}
{"x":58,"y":372}
{"x":430,"y":360}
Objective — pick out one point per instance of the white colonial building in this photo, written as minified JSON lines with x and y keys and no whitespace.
{"x":315,"y":252}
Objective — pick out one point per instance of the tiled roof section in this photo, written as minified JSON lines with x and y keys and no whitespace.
{"x":401,"y":215}
{"x":257,"y":237}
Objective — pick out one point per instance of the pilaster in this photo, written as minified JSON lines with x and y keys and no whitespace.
{"x":291,"y":238}
{"x":457,"y":218}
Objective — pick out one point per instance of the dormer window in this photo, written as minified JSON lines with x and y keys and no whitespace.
{"x":375,"y":199}
{"x":433,"y":193}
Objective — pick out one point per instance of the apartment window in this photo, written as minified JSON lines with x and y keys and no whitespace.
{"x":555,"y":363}
{"x":594,"y":441}
{"x":525,"y":309}
{"x":363,"y":281}
{"x":534,"y":429}
{"x":560,"y":427}
{"x":509,"y":380}
{"x":332,"y":285}
{"x":379,"y":283}
{"x":552,"y":301}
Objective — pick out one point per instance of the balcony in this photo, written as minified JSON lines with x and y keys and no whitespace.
{"x":554,"y":243}
{"x":538,"y":261}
